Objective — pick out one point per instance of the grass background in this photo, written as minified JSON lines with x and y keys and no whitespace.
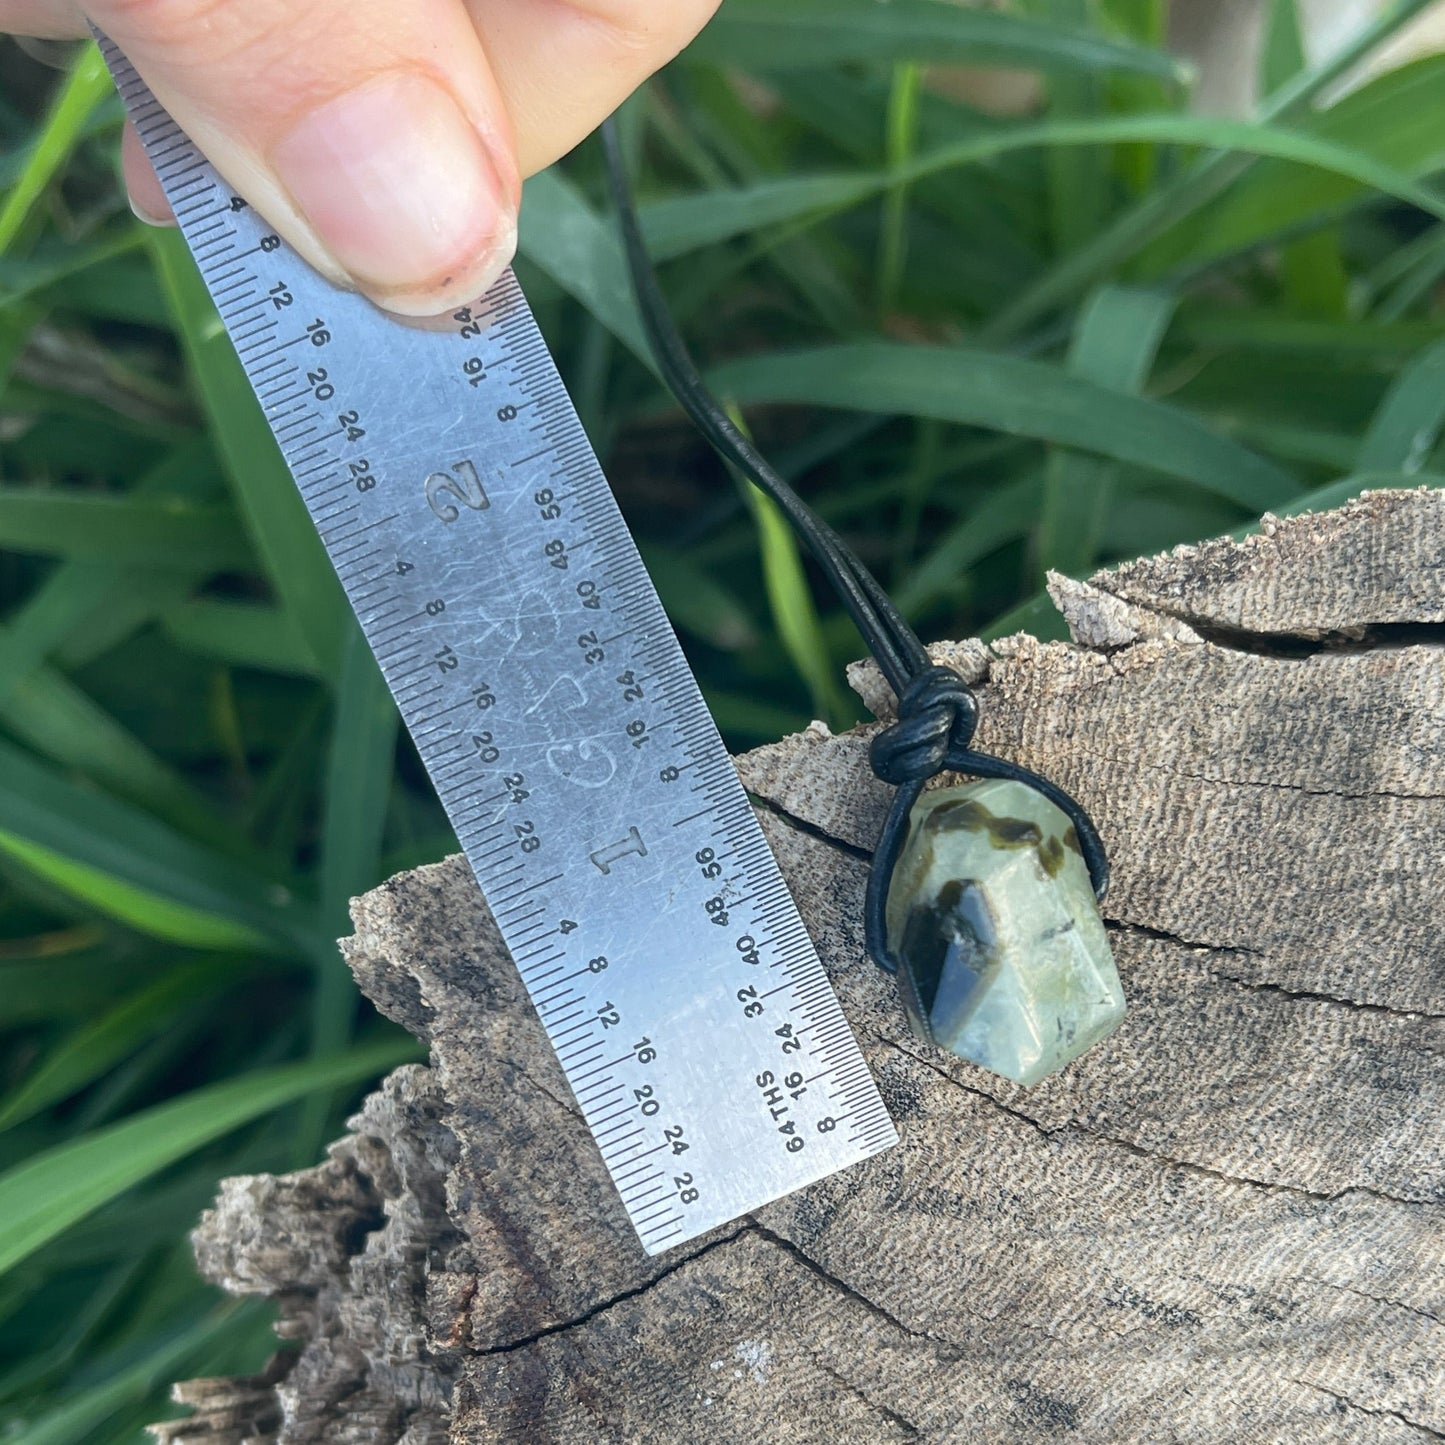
{"x":982,"y":345}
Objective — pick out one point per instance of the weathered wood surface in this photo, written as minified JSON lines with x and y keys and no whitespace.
{"x":1226,"y":1224}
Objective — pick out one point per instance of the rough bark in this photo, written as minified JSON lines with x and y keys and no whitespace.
{"x":1227,"y":1223}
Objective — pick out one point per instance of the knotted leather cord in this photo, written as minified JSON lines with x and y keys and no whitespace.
{"x":937,"y":710}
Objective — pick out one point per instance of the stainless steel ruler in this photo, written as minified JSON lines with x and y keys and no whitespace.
{"x":501,"y":592}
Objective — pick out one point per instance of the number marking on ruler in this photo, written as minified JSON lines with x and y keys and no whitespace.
{"x":500,"y":590}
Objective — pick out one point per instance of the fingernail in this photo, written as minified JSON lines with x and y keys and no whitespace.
{"x":401,"y":190}
{"x":151,"y":218}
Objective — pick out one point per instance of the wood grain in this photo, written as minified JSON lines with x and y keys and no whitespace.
{"x":1227,"y":1223}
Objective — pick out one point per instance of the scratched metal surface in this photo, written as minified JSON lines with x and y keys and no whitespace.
{"x":501,"y":592}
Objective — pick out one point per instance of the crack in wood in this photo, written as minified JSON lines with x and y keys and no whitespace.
{"x":841,"y":1286}
{"x":1303,"y":790}
{"x":571,"y":1110}
{"x":1163,"y":935}
{"x":1373,"y":1298}
{"x":1297,"y":646}
{"x":587,"y":1316}
{"x":912,"y":1431}
{"x":1312,"y":996}
{"x":811,"y":829}
{"x":1153,"y":1155}
{"x":1428,"y":1431}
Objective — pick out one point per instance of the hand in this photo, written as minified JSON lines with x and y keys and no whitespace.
{"x":384,"y":139}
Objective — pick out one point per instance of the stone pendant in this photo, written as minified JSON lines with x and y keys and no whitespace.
{"x":991,"y":911}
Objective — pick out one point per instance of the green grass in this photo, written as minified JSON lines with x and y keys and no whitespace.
{"x":983,"y":346}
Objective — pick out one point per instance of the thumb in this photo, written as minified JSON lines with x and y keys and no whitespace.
{"x":370,"y":133}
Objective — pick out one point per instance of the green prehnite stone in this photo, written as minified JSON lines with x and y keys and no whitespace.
{"x":991,"y":911}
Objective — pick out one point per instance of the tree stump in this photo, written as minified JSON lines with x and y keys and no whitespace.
{"x":1227,"y":1223}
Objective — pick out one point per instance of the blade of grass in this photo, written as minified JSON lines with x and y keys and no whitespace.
{"x":762,"y":35}
{"x":900,"y":137}
{"x":46,"y":1195}
{"x":790,"y":600}
{"x":686,"y":224}
{"x":1143,"y":522}
{"x":1346,"y":489}
{"x":146,"y":911}
{"x":141,"y":1075}
{"x":121,"y":288}
{"x":915,"y":487}
{"x":1005,"y":515}
{"x":1416,"y":286}
{"x":753,"y":719}
{"x":114,"y":1284}
{"x":1283,"y":54}
{"x":1115,"y":343}
{"x":129,"y":1379}
{"x":1009,"y":394}
{"x":72,"y":985}
{"x":565,"y":238}
{"x":677,"y":225}
{"x":1407,"y":424}
{"x":1329,"y":450}
{"x":240,"y":634}
{"x":1079,"y":186}
{"x":1272,"y":331}
{"x":21,"y":281}
{"x":1193,"y":189}
{"x":1147,"y":21}
{"x":1142,"y":20}
{"x":105,"y":117}
{"x":358,"y":789}
{"x":63,"y":724}
{"x":1313,"y":271}
{"x":1388,"y":120}
{"x":747,"y":144}
{"x":150,"y":1216}
{"x":296,"y":563}
{"x":104,"y":840}
{"x":85,"y":87}
{"x":590,"y":389}
{"x":275,"y":809}
{"x":1036,"y":615}
{"x":794,"y":613}
{"x":697,"y":602}
{"x":1311,"y":268}
{"x":358,"y":782}
{"x":77,"y":1061}
{"x":1118,"y":335}
{"x":16,"y":327}
{"x":133,"y":530}
{"x":85,"y":606}
{"x":78,"y":602}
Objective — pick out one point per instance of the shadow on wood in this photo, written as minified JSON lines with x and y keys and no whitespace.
{"x":1227,"y":1223}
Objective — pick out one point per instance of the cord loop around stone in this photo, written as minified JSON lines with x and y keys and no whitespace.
{"x":937,"y":715}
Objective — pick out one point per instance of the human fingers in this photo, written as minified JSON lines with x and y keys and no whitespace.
{"x":561,"y":70}
{"x":370,"y":134}
{"x":565,"y":65}
{"x":147,"y":196}
{"x":45,"y":19}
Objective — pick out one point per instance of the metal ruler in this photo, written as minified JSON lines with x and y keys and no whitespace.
{"x":499,"y":588}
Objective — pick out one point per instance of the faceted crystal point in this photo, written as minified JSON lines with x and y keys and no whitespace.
{"x":992,"y":913}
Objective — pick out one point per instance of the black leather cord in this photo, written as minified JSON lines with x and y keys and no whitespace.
{"x":937,"y":710}
{"x":889,"y":637}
